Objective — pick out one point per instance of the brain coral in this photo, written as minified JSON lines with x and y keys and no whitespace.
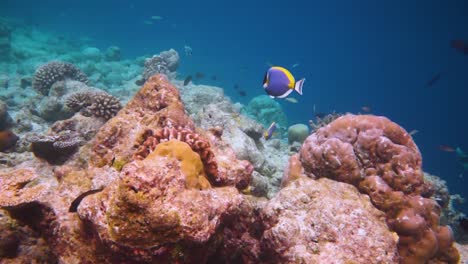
{"x":381,"y":159}
{"x":54,"y":71}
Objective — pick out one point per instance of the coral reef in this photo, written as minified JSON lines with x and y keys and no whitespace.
{"x":55,"y":71}
{"x":325,"y":222}
{"x":266,"y":110}
{"x":5,"y":119}
{"x":104,"y":105}
{"x":112,"y":53}
{"x":177,"y":212}
{"x":321,"y":121}
{"x":297,"y":133}
{"x":201,"y":146}
{"x":211,"y":110}
{"x":381,"y":159}
{"x":165,"y":63}
{"x":55,"y":149}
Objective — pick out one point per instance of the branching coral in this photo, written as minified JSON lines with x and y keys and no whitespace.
{"x":104,"y":105}
{"x":98,"y":104}
{"x":381,"y":159}
{"x":55,"y":71}
{"x":321,"y":121}
{"x":150,"y":139}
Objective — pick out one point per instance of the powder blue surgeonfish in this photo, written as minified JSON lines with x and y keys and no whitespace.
{"x":279,"y":83}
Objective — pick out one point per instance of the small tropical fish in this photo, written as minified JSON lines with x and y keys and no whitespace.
{"x":433,"y":80}
{"x":187,"y":80}
{"x":292,"y":100}
{"x":74,"y":205}
{"x":413,"y":132}
{"x":279,"y":83}
{"x":199,"y":75}
{"x":366,"y":109}
{"x":148,"y":22}
{"x":242,"y":93}
{"x":269,"y":132}
{"x":295,"y":65}
{"x":446,"y":148}
{"x":156,"y":17}
{"x":460,"y":46}
{"x":188,"y":50}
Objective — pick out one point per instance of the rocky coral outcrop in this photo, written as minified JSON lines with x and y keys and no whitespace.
{"x":325,"y":221}
{"x":211,"y":110}
{"x":381,"y":159}
{"x":165,"y":63}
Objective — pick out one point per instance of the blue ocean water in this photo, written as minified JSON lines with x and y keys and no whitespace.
{"x":379,"y":54}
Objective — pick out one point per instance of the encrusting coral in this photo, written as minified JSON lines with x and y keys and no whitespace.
{"x":381,"y":159}
{"x":55,"y":71}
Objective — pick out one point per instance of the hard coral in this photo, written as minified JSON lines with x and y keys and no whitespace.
{"x":98,"y":104}
{"x":104,"y":105}
{"x":54,"y":71}
{"x":165,"y":63}
{"x":55,"y":149}
{"x":381,"y":159}
{"x":150,"y":139}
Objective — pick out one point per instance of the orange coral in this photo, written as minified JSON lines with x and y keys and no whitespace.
{"x":381,"y":159}
{"x":150,"y":139}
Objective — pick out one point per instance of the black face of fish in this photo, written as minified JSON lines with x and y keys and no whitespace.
{"x":187,"y":80}
{"x":242,"y":93}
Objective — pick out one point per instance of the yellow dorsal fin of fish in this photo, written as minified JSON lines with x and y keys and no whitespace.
{"x":291,"y":79}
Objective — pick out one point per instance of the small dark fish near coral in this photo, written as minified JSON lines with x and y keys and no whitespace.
{"x":8,"y":139}
{"x":460,"y":46}
{"x":74,"y":205}
{"x":199,"y":75}
{"x":187,"y":80}
{"x":242,"y":93}
{"x":269,"y":132}
{"x":434,"y":80}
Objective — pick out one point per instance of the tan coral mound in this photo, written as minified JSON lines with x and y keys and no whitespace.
{"x":325,"y":222}
{"x":381,"y":159}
